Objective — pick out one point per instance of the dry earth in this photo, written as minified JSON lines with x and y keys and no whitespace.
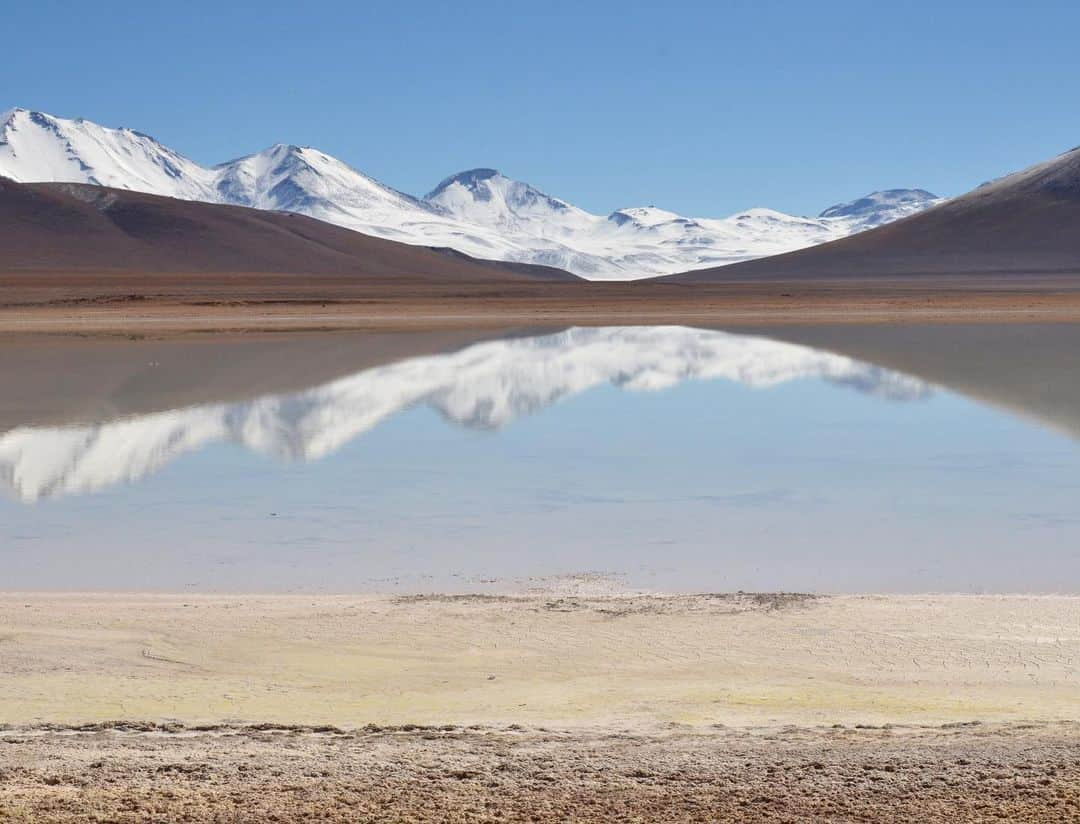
{"x":1027,"y":772}
{"x":571,"y":704}
{"x":154,"y":304}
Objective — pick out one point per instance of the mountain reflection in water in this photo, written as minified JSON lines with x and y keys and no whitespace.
{"x":486,"y":385}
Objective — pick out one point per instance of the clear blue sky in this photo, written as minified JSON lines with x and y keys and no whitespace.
{"x":703,"y":108}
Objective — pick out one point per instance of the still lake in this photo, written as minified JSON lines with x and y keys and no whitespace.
{"x":658,"y":458}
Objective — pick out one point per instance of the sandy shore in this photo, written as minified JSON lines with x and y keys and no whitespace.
{"x":545,"y":659}
{"x":558,"y":705}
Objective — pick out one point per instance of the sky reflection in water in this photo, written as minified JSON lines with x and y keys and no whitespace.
{"x":665,"y":457}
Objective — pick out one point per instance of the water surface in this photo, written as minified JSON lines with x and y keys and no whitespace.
{"x":661,"y":458}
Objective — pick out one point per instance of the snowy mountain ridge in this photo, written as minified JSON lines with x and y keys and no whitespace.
{"x":479,"y":212}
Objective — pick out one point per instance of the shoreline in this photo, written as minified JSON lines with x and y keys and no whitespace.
{"x":175,"y":305}
{"x":560,"y":658}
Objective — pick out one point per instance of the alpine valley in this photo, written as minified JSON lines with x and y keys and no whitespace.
{"x":479,"y":212}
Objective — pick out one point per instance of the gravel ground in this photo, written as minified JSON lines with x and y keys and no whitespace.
{"x":128,"y":773}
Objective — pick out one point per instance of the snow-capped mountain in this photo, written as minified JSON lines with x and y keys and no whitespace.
{"x":878,"y":208}
{"x":484,"y":386}
{"x":645,"y":241}
{"x":37,"y":147}
{"x":305,"y":180}
{"x":479,"y":212}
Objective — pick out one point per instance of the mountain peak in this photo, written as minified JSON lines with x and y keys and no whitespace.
{"x":8,"y":114}
{"x":291,"y":178}
{"x":35,"y":146}
{"x":273,"y":152}
{"x":287,"y":149}
{"x":642,"y":216}
{"x":281,"y":148}
{"x":12,"y":117}
{"x":883,"y":206}
{"x":470,"y":179}
{"x":489,"y":198}
{"x":478,"y":211}
{"x":19,"y":116}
